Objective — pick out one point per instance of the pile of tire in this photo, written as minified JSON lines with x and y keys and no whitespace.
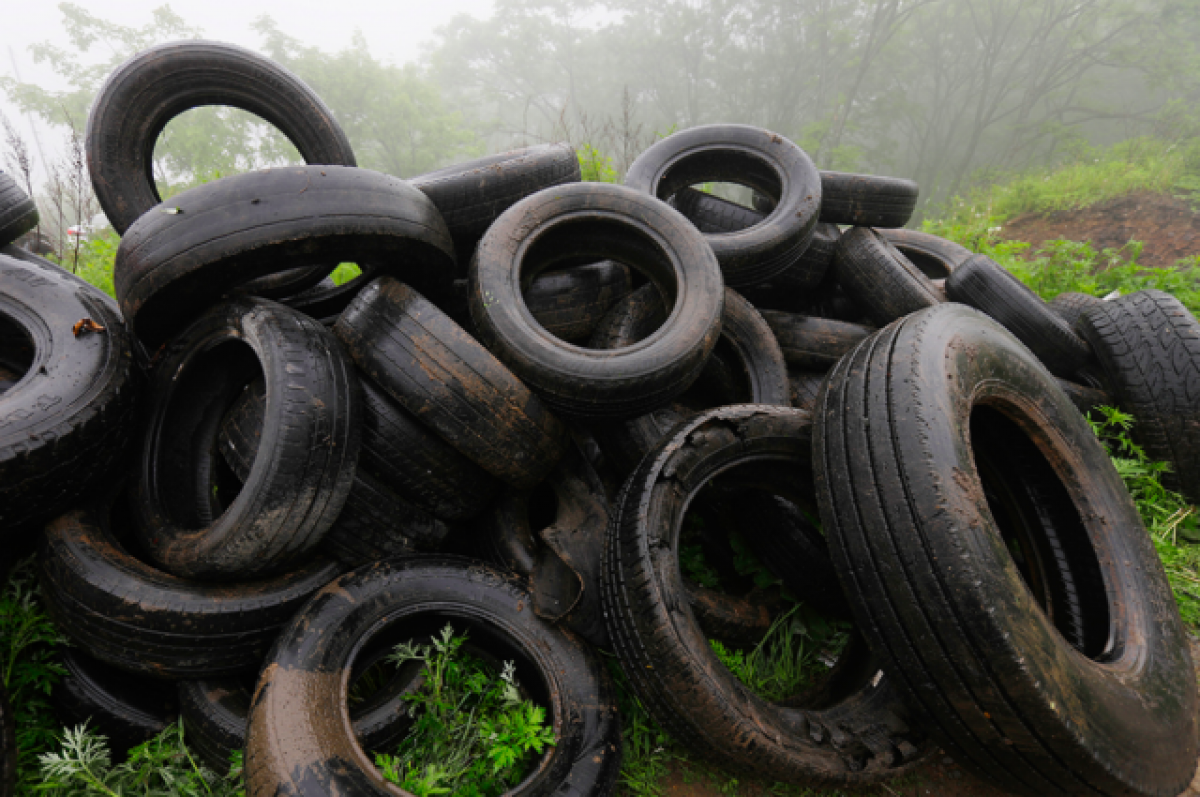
{"x":247,"y":483}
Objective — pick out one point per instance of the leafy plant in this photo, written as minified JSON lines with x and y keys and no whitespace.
{"x":475,"y":735}
{"x":595,"y":166}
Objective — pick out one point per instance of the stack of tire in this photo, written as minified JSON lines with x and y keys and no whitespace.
{"x":247,"y":483}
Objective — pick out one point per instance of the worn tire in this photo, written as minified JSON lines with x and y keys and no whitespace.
{"x":443,"y":376}
{"x":805,"y":386}
{"x":306,"y":748}
{"x":306,"y":458}
{"x":584,"y":223}
{"x":570,"y":303}
{"x":142,"y":620}
{"x":1070,"y":306}
{"x":1148,"y":344}
{"x":67,"y":421}
{"x":939,"y":596}
{"x":813,"y":344}
{"x":179,"y":258}
{"x":154,"y":86}
{"x":18,"y":213}
{"x":866,"y":200}
{"x":1086,"y":398}
{"x":934,"y":256}
{"x":879,"y":279}
{"x":858,"y":739}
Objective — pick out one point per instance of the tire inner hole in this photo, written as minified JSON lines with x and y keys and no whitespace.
{"x":16,"y":353}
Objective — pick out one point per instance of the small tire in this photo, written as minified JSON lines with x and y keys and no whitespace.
{"x":18,"y":213}
{"x":570,"y":303}
{"x":301,"y":748}
{"x":813,"y":344}
{"x":879,"y":279}
{"x":866,"y":200}
{"x":750,"y":156}
{"x":1071,"y":306}
{"x":934,"y":256}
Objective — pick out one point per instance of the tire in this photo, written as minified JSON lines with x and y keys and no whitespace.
{"x":126,"y":709}
{"x":18,"y":213}
{"x":142,"y":620}
{"x":985,"y":285}
{"x":866,"y":200}
{"x":664,"y":655}
{"x":1149,"y":347}
{"x":1086,"y":398}
{"x":57,"y":271}
{"x":295,"y":749}
{"x":66,"y":423}
{"x":570,"y":303}
{"x":444,"y":377}
{"x":472,"y":195}
{"x":588,"y":222}
{"x":879,"y":279}
{"x":805,"y":386}
{"x":179,"y":259}
{"x":1070,"y":307}
{"x":935,"y":257}
{"x":945,"y":605}
{"x":158,"y":84}
{"x":326,"y":300}
{"x":813,"y":344}
{"x":748,"y":156}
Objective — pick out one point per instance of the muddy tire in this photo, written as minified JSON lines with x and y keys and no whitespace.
{"x":934,"y":256}
{"x":589,"y":222}
{"x":18,"y":213}
{"x":142,"y":620}
{"x":180,"y":258}
{"x":953,"y":616}
{"x":813,"y":344}
{"x":1070,"y":307}
{"x":126,"y":709}
{"x":306,"y":457}
{"x":865,"y":200}
{"x":444,"y":377}
{"x":667,"y":658}
{"x":67,"y":420}
{"x":570,"y":303}
{"x":150,"y":89}
{"x":749,"y":156}
{"x":1149,"y":347}
{"x":985,"y":285}
{"x":879,"y":279}
{"x":299,"y":748}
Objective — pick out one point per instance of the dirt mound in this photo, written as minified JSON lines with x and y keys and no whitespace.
{"x":1168,"y":227}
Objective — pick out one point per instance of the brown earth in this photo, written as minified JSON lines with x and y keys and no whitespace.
{"x":1167,"y":226}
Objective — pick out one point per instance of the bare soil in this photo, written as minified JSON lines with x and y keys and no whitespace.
{"x":1167,"y":226}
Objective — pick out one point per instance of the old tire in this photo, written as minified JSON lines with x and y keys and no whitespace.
{"x":813,"y":344}
{"x":306,"y":749}
{"x":866,"y":200}
{"x":1071,"y":306}
{"x":879,"y":279}
{"x":942,"y":601}
{"x":18,"y":213}
{"x":570,"y":303}
{"x":934,"y":256}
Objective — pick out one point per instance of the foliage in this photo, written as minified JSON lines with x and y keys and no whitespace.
{"x":94,"y":260}
{"x":474,"y":734}
{"x":595,"y":166}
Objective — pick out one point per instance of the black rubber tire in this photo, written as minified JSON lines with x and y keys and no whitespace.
{"x":142,"y":620}
{"x":746,"y":367}
{"x":584,"y":223}
{"x":867,"y":200}
{"x":181,"y":257}
{"x":444,"y":377}
{"x":805,"y":387}
{"x":18,"y":213}
{"x":1086,"y":398}
{"x":934,"y":256}
{"x":326,"y":300}
{"x":154,"y":86}
{"x":813,"y":344}
{"x":306,"y":459}
{"x":940,"y":598}
{"x":302,"y":749}
{"x":985,"y":285}
{"x":472,"y":195}
{"x":41,"y":263}
{"x":8,"y":746}
{"x":1071,"y":306}
{"x":570,"y":303}
{"x":670,"y":667}
{"x":67,"y":423}
{"x":879,"y":279}
{"x":712,"y":214}
{"x":749,"y":156}
{"x":1149,"y":347}
{"x":126,"y":709}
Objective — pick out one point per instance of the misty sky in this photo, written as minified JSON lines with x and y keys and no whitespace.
{"x":394,"y":30}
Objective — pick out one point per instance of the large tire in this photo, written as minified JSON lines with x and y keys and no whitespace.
{"x":18,"y":214}
{"x":444,"y":377}
{"x":179,"y":258}
{"x":934,"y":256}
{"x":750,"y":156}
{"x":150,"y":89}
{"x":1149,"y":346}
{"x":866,"y":200}
{"x":945,"y":604}
{"x":879,"y":279}
{"x":570,"y":303}
{"x":472,"y":195}
{"x":859,"y":738}
{"x":582,"y":223}
{"x":306,"y":457}
{"x":305,"y":748}
{"x":985,"y":285}
{"x":67,"y":421}
{"x":137,"y":618}
{"x":813,"y":344}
